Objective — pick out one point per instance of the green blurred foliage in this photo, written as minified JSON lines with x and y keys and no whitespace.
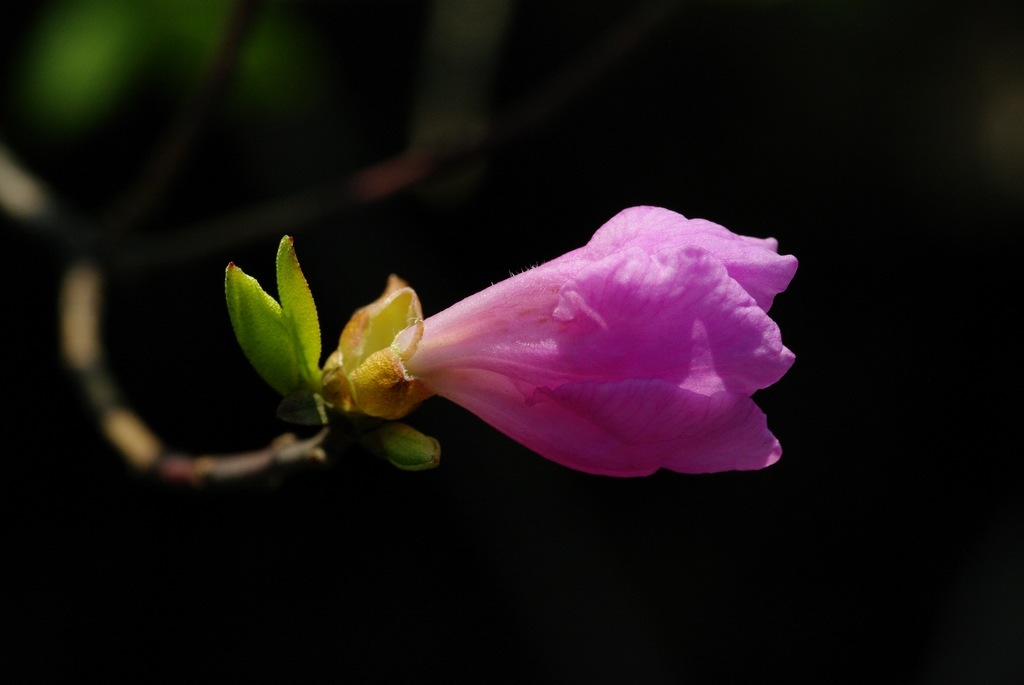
{"x":86,"y":58}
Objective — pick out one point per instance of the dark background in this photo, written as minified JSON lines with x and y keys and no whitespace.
{"x":882,"y":143}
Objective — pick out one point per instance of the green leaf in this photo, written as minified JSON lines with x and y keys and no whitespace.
{"x":261,"y":331}
{"x":281,"y":340}
{"x":298,"y":312}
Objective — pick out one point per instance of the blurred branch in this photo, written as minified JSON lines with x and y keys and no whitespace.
{"x":83,"y":352}
{"x":31,"y":203}
{"x":267,"y":466}
{"x":169,"y":155}
{"x":401,"y":172}
{"x":81,"y":298}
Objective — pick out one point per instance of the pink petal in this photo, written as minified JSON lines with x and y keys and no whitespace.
{"x":752,"y":262}
{"x":627,"y":428}
{"x":674,"y":315}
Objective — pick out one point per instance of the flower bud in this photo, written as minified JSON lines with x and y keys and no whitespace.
{"x":367,"y":374}
{"x":639,"y":350}
{"x":404,"y":446}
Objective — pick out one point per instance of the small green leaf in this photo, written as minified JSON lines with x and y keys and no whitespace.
{"x":281,"y":340}
{"x":298,"y":312}
{"x":261,"y":331}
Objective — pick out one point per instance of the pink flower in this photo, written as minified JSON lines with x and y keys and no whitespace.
{"x":637,"y":351}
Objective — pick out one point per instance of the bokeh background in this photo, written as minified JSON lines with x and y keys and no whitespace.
{"x":881,"y":142}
